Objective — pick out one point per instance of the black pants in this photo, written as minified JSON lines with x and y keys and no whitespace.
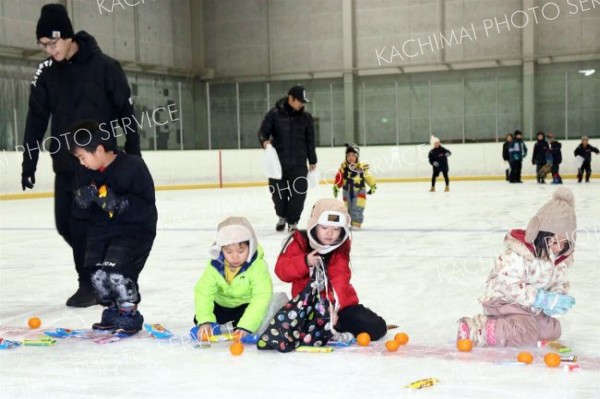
{"x":556,"y":172}
{"x":113,"y":264}
{"x":289,"y":193}
{"x":587,"y":168}
{"x":515,"y":171}
{"x":224,"y":314}
{"x":357,"y":319}
{"x":71,"y":229}
{"x":436,"y":173}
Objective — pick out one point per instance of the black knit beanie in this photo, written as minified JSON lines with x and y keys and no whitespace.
{"x":54,"y":22}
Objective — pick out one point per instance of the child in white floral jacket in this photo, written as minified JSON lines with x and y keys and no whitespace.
{"x":528,"y":285}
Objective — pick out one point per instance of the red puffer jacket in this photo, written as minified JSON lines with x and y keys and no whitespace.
{"x":291,"y":267}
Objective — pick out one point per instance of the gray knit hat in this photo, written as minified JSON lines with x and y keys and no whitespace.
{"x":556,"y":216}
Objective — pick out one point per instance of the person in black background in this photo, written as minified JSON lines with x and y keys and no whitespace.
{"x":505,"y":154}
{"x":117,"y":192}
{"x":585,"y":150}
{"x":438,"y":158}
{"x":556,"y":150}
{"x":517,"y":151}
{"x":76,"y":82}
{"x":540,"y":152}
{"x":290,"y":129}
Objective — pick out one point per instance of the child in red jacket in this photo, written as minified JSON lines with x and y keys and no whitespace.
{"x":327,"y":239}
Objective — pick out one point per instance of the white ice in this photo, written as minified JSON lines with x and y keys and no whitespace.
{"x":421,"y":261}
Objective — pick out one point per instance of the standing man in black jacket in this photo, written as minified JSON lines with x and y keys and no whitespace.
{"x":291,"y":131}
{"x":76,"y":82}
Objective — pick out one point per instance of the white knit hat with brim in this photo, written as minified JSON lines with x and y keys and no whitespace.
{"x":328,"y":212}
{"x":434,"y":140}
{"x":234,"y":230}
{"x":555,"y":216}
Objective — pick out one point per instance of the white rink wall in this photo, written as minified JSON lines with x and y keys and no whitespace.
{"x":202,"y":167}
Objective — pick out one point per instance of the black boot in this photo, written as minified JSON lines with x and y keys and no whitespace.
{"x":83,"y":298}
{"x":109,"y":316}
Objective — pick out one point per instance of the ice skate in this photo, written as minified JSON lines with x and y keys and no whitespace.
{"x":280,"y":224}
{"x":432,"y":190}
{"x":292,"y":227}
{"x":107,"y":322}
{"x":447,"y":189}
{"x":128,"y":321}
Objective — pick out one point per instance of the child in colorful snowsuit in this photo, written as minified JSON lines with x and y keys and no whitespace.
{"x":505,"y":155}
{"x":540,"y":157}
{"x":353,"y":177}
{"x":327,"y":239}
{"x":116,"y":193}
{"x":556,"y":151}
{"x":585,"y":150}
{"x":517,"y":152}
{"x":236,"y":285}
{"x":528,"y":284}
{"x":438,"y":158}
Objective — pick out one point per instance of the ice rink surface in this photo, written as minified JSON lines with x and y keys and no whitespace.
{"x":421,"y":261}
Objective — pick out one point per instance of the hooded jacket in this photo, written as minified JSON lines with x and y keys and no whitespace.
{"x":540,"y":151}
{"x":518,"y":274}
{"x":90,"y":85}
{"x":439,"y":155}
{"x":556,"y":149}
{"x":517,"y":150}
{"x":251,"y":285}
{"x":291,"y":133}
{"x":586,"y":152}
{"x":291,"y":267}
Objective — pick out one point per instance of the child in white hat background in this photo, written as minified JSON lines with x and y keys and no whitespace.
{"x":528,"y":285}
{"x":236,"y":284}
{"x":327,"y":239}
{"x":438,"y":158}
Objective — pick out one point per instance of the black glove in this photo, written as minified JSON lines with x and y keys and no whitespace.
{"x":110,"y":202}
{"x":27,"y":179}
{"x":84,"y":196}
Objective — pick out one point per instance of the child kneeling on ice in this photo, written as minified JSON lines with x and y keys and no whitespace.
{"x":235,"y":286}
{"x":327,"y":239}
{"x":528,"y":285}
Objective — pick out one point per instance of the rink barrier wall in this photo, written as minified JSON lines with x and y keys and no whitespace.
{"x":205,"y":169}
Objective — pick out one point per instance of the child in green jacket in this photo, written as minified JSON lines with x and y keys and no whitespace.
{"x":236,"y":285}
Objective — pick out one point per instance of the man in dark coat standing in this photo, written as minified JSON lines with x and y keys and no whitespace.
{"x":77,"y":81}
{"x":290,"y":129}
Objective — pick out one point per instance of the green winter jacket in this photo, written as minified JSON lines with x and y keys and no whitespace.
{"x":252,"y":285}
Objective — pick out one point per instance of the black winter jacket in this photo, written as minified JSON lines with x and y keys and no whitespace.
{"x":291,"y":133}
{"x":586,"y":152}
{"x":540,"y":149}
{"x":439,"y":155}
{"x":556,"y":147}
{"x":129,"y":178}
{"x":91,"y":85}
{"x":505,"y":154}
